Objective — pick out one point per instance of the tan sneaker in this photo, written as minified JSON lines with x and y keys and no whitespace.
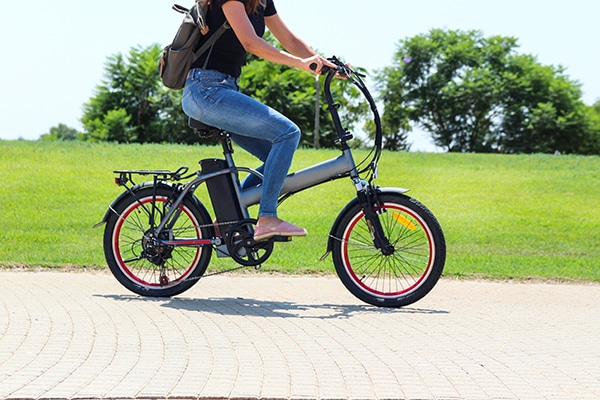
{"x":283,"y":229}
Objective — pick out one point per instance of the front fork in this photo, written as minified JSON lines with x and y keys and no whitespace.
{"x":369,"y":202}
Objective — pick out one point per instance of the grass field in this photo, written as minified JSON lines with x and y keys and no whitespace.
{"x":504,"y":216}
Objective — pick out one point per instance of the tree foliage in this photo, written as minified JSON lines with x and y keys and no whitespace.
{"x":476,"y":94}
{"x":471,"y":93}
{"x":61,"y":132}
{"x":131,"y":105}
{"x":293,"y":93}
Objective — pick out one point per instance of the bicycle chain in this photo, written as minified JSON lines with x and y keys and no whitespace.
{"x":257,"y":267}
{"x":217,"y":224}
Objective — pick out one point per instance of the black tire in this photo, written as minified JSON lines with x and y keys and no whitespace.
{"x":394,"y":280}
{"x":156,"y":271}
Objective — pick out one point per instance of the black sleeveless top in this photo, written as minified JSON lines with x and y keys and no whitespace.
{"x":228,"y":55}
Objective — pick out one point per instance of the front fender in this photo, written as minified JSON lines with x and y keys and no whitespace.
{"x":134,"y":189}
{"x":345,"y":210}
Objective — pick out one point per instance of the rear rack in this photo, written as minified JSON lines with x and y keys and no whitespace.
{"x":126,"y":176}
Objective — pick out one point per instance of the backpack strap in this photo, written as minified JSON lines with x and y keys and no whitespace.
{"x":211,"y":42}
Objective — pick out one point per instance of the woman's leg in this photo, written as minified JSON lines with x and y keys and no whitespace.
{"x":252,"y":180}
{"x":212,"y":98}
{"x":277,"y":154}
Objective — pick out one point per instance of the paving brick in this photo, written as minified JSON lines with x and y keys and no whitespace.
{"x":83,"y":336}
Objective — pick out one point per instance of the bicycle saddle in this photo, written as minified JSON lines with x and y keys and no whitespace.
{"x":202,"y":128}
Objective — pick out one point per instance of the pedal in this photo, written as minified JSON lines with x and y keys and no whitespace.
{"x":281,"y":239}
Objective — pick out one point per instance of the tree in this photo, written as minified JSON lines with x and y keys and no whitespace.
{"x":293,"y":93}
{"x":543,"y":111}
{"x":594,"y":121}
{"x":131,"y":105}
{"x":477,"y":94}
{"x":61,"y":132}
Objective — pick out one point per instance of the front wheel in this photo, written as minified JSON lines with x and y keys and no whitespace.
{"x":139,"y":260}
{"x":406,"y":275}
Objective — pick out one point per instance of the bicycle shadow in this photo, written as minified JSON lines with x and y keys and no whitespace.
{"x":248,"y":307}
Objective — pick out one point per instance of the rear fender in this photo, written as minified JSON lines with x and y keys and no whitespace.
{"x":133,"y":190}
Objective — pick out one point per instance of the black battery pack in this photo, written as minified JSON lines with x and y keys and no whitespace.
{"x":221,"y":190}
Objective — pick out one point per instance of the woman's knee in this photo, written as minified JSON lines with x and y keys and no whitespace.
{"x":292,"y":134}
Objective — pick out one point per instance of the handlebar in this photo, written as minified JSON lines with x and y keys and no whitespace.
{"x":341,"y":69}
{"x":346,"y":72}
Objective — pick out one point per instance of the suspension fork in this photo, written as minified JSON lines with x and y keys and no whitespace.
{"x":367,"y":198}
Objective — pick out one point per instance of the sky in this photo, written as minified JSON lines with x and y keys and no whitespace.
{"x":54,"y":52}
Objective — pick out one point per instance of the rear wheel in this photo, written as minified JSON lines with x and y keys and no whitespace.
{"x":398,"y":279}
{"x":139,"y":260}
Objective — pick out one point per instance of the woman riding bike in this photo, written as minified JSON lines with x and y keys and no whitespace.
{"x":212,"y":96}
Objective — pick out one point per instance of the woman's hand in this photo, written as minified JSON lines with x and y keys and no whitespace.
{"x":314,"y":64}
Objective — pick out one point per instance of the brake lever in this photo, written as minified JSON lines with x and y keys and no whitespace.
{"x":342,"y":69}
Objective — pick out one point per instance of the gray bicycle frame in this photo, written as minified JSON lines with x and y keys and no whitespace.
{"x":306,"y":178}
{"x":314,"y":175}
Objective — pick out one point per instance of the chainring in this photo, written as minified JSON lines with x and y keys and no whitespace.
{"x":243,"y":248}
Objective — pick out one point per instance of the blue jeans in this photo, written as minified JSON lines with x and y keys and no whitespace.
{"x":214,"y":98}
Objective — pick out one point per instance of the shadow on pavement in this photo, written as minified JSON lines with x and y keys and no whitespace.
{"x":262,"y":308}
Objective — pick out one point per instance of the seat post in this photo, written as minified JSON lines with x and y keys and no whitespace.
{"x":226,"y":145}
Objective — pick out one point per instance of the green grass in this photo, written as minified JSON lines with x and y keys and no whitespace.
{"x":504,"y":216}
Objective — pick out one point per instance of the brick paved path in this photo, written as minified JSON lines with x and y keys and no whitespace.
{"x":83,"y":336}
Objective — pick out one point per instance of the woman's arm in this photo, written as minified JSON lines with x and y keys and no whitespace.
{"x":300,"y":55}
{"x":290,"y":41}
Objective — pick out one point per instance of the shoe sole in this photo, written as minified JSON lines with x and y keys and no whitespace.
{"x":271,"y":234}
